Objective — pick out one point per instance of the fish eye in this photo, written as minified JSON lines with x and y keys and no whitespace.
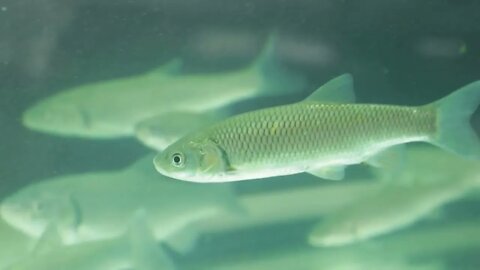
{"x":178,"y":160}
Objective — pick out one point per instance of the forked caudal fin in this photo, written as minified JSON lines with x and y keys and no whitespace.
{"x":454,"y":132}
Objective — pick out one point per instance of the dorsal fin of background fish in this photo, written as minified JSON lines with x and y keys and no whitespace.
{"x":171,"y":67}
{"x":276,"y":77}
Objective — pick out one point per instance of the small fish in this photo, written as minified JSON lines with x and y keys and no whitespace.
{"x":320,"y":135}
{"x":98,"y":205}
{"x":111,"y":109}
{"x":384,"y":255}
{"x":135,"y":249}
{"x":430,"y":179}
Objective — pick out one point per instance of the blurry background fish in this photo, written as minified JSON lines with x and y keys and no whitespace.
{"x":399,"y":52}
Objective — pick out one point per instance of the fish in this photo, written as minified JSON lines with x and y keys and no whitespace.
{"x":320,"y":135}
{"x":111,"y":109}
{"x":342,"y":258}
{"x":160,"y":131}
{"x":14,"y":245}
{"x":134,"y":249}
{"x":97,"y":205}
{"x":418,"y":248}
{"x":328,"y":259}
{"x":431,"y":179}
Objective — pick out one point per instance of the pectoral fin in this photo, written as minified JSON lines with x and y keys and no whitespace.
{"x":48,"y":241}
{"x":329,"y":173}
{"x":76,"y":219}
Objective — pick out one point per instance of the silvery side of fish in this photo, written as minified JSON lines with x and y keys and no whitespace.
{"x":111,"y":109}
{"x":136,"y":249}
{"x":420,"y":189}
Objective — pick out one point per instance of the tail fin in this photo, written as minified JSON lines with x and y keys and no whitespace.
{"x":275,"y":77}
{"x":453,"y":119}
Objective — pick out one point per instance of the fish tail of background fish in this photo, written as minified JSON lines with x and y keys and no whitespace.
{"x":453,"y":131}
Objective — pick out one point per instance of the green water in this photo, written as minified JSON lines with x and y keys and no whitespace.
{"x":399,"y":52}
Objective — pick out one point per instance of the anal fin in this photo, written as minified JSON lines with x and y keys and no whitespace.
{"x":329,"y":173}
{"x":48,"y":241}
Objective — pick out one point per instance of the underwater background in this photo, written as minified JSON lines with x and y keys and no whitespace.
{"x":398,"y":52}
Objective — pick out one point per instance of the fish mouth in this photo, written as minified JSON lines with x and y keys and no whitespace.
{"x":159,"y":168}
{"x":31,"y":121}
{"x":177,"y":176}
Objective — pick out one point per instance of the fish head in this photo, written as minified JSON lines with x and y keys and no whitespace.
{"x":327,"y":234}
{"x":31,"y":209}
{"x":192,"y":159}
{"x":56,"y":116}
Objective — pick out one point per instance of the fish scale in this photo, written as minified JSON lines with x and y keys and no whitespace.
{"x":311,"y":130}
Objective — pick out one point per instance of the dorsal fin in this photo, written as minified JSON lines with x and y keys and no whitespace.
{"x":337,"y":90}
{"x":276,"y":78}
{"x":172,"y":67}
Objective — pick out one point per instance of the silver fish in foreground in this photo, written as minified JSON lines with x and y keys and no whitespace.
{"x":320,"y":135}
